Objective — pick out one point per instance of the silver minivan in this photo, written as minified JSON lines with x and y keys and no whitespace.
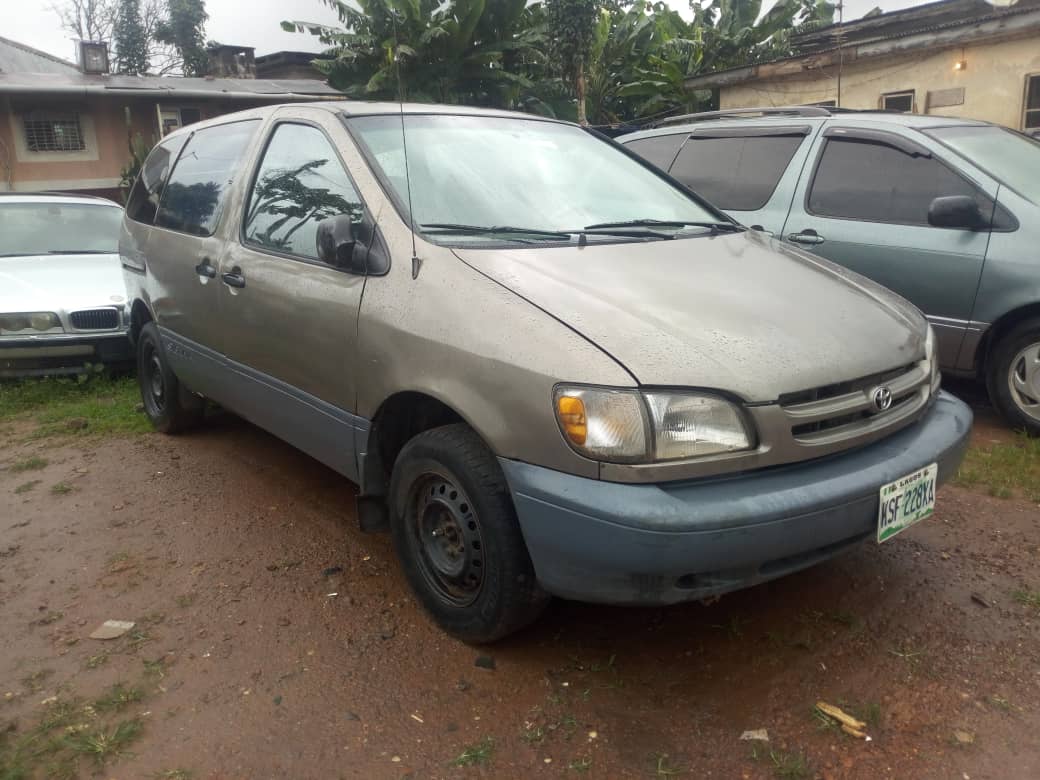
{"x":550,"y":368}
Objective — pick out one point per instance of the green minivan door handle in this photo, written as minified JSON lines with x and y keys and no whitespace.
{"x":807,"y":236}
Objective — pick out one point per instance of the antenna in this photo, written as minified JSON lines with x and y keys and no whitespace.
{"x":416,"y":262}
{"x":840,"y":36}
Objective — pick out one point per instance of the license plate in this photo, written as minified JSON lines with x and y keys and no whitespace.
{"x":906,"y":501}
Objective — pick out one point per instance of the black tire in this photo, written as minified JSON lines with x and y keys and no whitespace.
{"x":1013,"y":376}
{"x":170,"y":407}
{"x":457,"y":536}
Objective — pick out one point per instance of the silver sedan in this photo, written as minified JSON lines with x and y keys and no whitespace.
{"x":62,"y":295}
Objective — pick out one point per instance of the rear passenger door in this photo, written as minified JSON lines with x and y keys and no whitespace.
{"x":185,"y":247}
{"x":747,"y":171}
{"x":864,"y":203}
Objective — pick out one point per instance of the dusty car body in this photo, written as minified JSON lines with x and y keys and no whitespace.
{"x":573,"y":378}
{"x":62,"y":298}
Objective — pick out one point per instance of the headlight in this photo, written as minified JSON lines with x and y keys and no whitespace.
{"x":38,"y":321}
{"x":628,"y":426}
{"x":931,"y":350}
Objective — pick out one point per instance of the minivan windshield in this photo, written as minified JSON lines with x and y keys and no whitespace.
{"x":1011,"y":157}
{"x":536,"y":180}
{"x":58,"y":228}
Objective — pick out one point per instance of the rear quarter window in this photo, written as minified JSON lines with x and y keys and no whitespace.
{"x":194,"y":196}
{"x":735,"y":173}
{"x":147,"y":190}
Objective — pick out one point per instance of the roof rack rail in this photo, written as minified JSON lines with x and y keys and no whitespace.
{"x":741,"y":112}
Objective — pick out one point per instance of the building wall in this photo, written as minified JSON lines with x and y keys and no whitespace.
{"x":994,"y":82}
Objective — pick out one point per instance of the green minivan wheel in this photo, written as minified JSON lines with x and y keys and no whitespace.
{"x":458,"y":539}
{"x":1014,"y":376}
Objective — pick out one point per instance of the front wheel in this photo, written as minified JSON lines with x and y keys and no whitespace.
{"x":457,"y":536}
{"x":1014,"y":376}
{"x":169,"y":406}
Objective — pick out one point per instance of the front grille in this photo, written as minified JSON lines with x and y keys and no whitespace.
{"x":844,"y":411}
{"x":95,"y":319}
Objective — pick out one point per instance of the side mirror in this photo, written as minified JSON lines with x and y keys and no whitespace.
{"x":336,"y":242}
{"x":956,"y":211}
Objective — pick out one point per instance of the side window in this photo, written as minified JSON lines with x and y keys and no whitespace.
{"x":299,"y":183}
{"x":735,"y":173}
{"x":144,"y":197}
{"x":659,"y":150}
{"x":194,"y":197}
{"x":876,"y":182}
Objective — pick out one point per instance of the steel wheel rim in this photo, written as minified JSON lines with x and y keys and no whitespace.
{"x":1024,"y":381}
{"x":155,"y":385}
{"x":445,"y":533}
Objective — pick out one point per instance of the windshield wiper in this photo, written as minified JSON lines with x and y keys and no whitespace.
{"x":715,"y":226}
{"x":451,"y":227}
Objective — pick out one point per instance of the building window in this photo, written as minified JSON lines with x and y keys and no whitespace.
{"x":898,"y":101}
{"x":51,"y":131}
{"x":1032,"y":113}
{"x":172,"y":118}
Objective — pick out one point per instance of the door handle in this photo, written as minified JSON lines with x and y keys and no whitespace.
{"x":807,"y":236}
{"x":235,"y":278}
{"x":205,"y":269}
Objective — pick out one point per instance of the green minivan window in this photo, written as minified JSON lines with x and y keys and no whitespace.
{"x":1012,"y":158}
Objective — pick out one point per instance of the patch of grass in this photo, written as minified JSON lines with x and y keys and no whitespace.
{"x":532,"y":735}
{"x":156,"y":668}
{"x":107,"y":743}
{"x":663,"y":767}
{"x":1004,"y":469}
{"x":61,"y":488}
{"x":86,"y":404}
{"x":118,"y":698}
{"x":1027,"y":598}
{"x":582,"y":764}
{"x":479,"y":753}
{"x":97,"y":660}
{"x":34,"y":682}
{"x":34,"y":463}
{"x":25,"y":487}
{"x":789,"y":766}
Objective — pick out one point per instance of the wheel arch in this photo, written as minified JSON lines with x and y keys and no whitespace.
{"x":140,"y":315}
{"x":1004,"y":325}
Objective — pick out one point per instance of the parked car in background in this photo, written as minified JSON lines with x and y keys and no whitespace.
{"x":945,"y":212}
{"x":62,"y":297}
{"x":574,"y":378}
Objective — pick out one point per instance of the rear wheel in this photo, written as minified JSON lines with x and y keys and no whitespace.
{"x":457,"y":536}
{"x":1014,"y":376}
{"x":170,"y":407}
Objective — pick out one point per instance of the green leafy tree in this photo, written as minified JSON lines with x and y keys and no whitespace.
{"x":479,"y":52}
{"x":183,"y":29}
{"x":130,"y":39}
{"x":572,"y":26}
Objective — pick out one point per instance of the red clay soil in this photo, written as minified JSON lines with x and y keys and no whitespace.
{"x":290,"y":646}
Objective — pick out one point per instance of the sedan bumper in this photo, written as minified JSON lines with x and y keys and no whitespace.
{"x":62,"y":354}
{"x":659,"y":544}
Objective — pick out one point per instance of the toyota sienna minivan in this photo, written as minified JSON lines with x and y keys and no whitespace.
{"x":550,"y":368}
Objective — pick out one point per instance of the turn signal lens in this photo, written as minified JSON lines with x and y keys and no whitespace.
{"x":572,"y":417}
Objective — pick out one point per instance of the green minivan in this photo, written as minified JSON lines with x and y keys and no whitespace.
{"x":943,"y":211}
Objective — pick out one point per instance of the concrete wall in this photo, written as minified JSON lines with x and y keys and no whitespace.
{"x":994,"y":82}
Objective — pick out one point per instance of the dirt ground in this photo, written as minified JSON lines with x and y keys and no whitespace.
{"x":274,"y":640}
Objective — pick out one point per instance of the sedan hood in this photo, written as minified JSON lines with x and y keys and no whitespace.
{"x":55,"y":282}
{"x":740,"y":313}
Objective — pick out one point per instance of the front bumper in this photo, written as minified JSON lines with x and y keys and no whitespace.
{"x":62,"y":354}
{"x":660,"y":544}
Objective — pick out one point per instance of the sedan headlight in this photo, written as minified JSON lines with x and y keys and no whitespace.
{"x":38,"y":322}
{"x":629,"y":426}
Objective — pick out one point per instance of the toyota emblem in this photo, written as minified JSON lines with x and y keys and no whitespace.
{"x":881,"y":397}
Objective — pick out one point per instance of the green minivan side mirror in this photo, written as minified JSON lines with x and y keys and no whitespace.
{"x":956,"y":211}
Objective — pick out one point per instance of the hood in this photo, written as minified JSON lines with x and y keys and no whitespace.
{"x":56,"y":282}
{"x":740,"y":313}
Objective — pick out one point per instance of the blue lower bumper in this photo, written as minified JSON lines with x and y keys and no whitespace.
{"x":659,"y":544}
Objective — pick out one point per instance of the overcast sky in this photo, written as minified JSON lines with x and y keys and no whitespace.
{"x":252,"y":22}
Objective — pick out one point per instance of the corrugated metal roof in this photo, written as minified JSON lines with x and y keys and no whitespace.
{"x":77,"y":83}
{"x":16,"y":57}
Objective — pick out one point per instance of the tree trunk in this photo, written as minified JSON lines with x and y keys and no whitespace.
{"x":579,"y":87}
